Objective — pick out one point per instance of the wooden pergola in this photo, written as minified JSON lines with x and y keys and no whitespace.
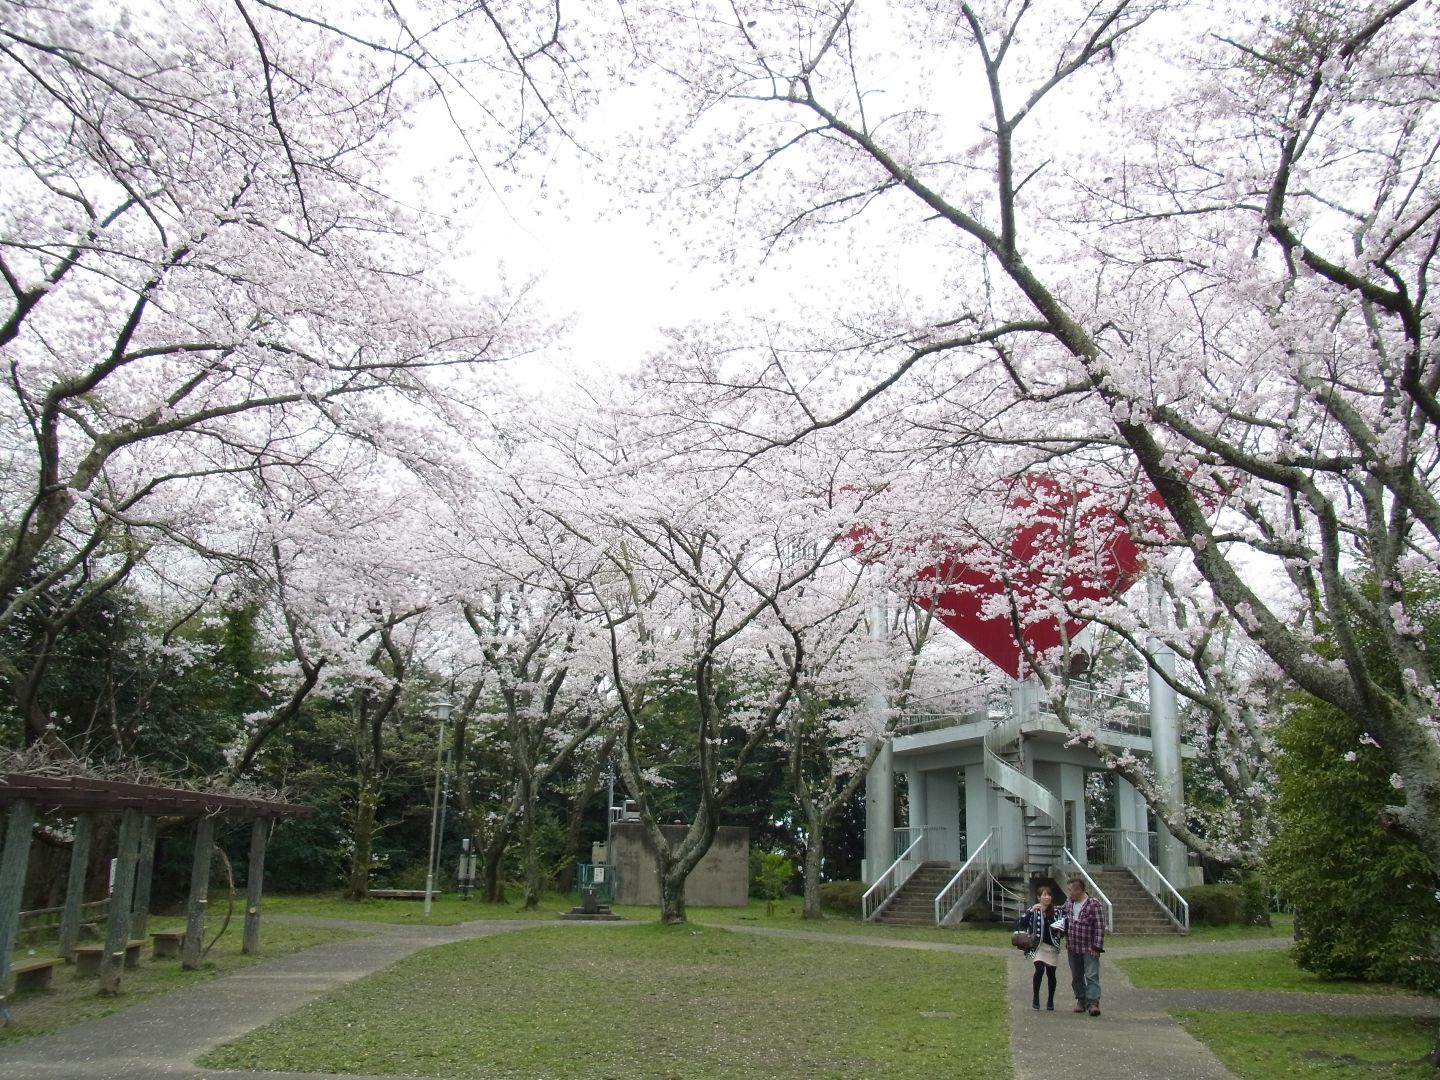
{"x":25,"y":797}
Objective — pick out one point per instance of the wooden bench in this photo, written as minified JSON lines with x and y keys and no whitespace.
{"x":33,"y":974}
{"x":87,"y":957}
{"x":402,"y":894}
{"x":166,"y":943}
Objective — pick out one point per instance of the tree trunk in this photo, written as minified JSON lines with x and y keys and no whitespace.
{"x":530,"y":856}
{"x":672,"y":894}
{"x":492,"y":880}
{"x":814,"y":852}
{"x":363,"y":835}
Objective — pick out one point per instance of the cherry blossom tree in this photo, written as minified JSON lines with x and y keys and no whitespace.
{"x":204,"y":276}
{"x":706,"y":597}
{"x":1220,"y":289}
{"x":834,"y":731}
{"x":545,"y":676}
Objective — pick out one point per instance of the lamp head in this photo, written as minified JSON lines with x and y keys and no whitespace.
{"x":441,"y":710}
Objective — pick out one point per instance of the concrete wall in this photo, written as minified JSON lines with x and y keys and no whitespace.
{"x":942,"y":810}
{"x":720,"y":879}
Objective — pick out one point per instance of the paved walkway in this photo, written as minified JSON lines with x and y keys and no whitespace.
{"x":1134,"y":1039}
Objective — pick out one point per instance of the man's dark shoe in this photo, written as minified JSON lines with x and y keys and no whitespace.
{"x":1079,"y":1007}
{"x":1094,"y":1008}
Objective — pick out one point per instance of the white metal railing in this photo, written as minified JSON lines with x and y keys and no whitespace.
{"x":974,"y":704}
{"x":961,"y":888}
{"x":1112,"y":712}
{"x":888,"y":883}
{"x":1107,"y":846}
{"x":1154,"y":883}
{"x":1073,"y":864}
{"x":1109,"y":712}
{"x":1004,"y":900}
{"x":905,"y":835}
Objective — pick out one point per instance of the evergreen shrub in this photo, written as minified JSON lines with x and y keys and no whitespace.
{"x":1257,"y":908}
{"x":1216,"y":905}
{"x":1366,"y":901}
{"x":842,"y":897}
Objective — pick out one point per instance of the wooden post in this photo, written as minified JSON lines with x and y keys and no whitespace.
{"x":75,"y":886}
{"x":199,"y":893}
{"x":255,"y":884}
{"x":19,"y":824}
{"x":117,"y":927}
{"x":144,"y":871}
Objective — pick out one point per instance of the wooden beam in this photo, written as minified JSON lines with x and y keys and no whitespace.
{"x":255,"y":885}
{"x":88,"y":793}
{"x":75,"y":886}
{"x":117,"y":927}
{"x":144,"y":871}
{"x":19,"y":825}
{"x":199,"y":893}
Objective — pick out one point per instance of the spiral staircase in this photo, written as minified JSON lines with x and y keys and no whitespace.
{"x":1041,"y":810}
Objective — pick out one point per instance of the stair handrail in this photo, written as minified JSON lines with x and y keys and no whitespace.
{"x":1005,"y":776}
{"x":1093,"y":889}
{"x":1025,"y":788}
{"x":888,"y":883}
{"x":957,"y":891}
{"x":1156,"y":884}
{"x":997,"y":885}
{"x":1004,"y":731}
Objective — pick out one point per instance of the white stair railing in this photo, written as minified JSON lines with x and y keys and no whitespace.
{"x":1073,"y":865}
{"x":1004,"y":900}
{"x":1154,"y":883}
{"x":951,"y":901}
{"x":888,"y":883}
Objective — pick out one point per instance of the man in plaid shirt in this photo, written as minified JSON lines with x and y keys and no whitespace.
{"x":1084,"y":942}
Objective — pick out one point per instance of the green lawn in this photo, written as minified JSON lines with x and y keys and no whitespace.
{"x":1270,"y":1046}
{"x":72,"y":1000}
{"x":445,"y":910}
{"x":449,"y":910}
{"x":644,"y":1002}
{"x":1265,"y":969}
{"x":1280,"y":926}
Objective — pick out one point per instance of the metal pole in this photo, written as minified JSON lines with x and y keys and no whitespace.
{"x":444,"y":812}
{"x":880,"y":780}
{"x":434,"y":820}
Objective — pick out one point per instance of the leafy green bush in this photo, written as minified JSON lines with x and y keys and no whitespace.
{"x":1216,"y":905}
{"x":842,"y":897}
{"x":773,"y":876}
{"x":1363,"y":891}
{"x":1257,"y":907}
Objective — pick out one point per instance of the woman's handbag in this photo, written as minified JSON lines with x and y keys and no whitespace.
{"x":1024,"y":940}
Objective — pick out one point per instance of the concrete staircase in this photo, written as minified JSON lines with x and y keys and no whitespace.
{"x":914,"y":903}
{"x":1136,"y":911}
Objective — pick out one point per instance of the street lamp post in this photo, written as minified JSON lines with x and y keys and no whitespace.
{"x":441,"y":711}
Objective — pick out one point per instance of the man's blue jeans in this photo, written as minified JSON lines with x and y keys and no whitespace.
{"x":1085,"y":976}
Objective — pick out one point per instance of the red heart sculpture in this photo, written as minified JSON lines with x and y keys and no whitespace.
{"x":1066,"y":544}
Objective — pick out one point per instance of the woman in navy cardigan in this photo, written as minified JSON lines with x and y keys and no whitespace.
{"x":1047,"y":953}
